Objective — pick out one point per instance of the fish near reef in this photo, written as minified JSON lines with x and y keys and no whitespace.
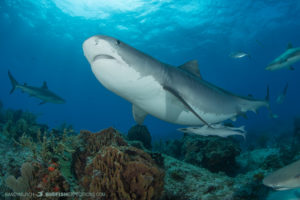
{"x":42,"y":93}
{"x":285,"y":178}
{"x":215,"y":130}
{"x":177,"y":95}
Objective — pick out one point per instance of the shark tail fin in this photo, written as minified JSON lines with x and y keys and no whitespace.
{"x":267,"y":99}
{"x":13,"y":81}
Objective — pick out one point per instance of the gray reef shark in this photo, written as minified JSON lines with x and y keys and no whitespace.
{"x":285,"y":60}
{"x":285,"y":178}
{"x":42,"y":93}
{"x":174,"y":94}
{"x":215,"y":130}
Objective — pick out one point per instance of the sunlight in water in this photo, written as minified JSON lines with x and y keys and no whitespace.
{"x":97,"y":8}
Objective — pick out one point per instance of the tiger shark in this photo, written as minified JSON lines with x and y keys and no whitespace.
{"x":177,"y":95}
{"x":285,"y":60}
{"x":42,"y":93}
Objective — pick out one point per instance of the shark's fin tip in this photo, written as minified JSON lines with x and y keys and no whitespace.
{"x":45,"y":86}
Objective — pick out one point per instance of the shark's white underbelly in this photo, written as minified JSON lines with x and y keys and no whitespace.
{"x":148,"y":94}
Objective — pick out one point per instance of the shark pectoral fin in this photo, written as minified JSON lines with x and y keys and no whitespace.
{"x":191,"y":67}
{"x":291,"y":68}
{"x":138,"y":114}
{"x":175,"y":93}
{"x":43,"y":102}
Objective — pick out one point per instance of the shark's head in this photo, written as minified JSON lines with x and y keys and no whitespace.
{"x":284,"y":178}
{"x":115,"y":64}
{"x":97,"y":48}
{"x":273,"y":66}
{"x":281,"y":183}
{"x":287,"y":59}
{"x":60,"y":101}
{"x":55,"y":99}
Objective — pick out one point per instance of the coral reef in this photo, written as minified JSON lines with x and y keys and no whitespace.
{"x":115,"y":169}
{"x":36,"y":177}
{"x":140,"y":133}
{"x":186,"y":181}
{"x":36,"y":158}
{"x":15,"y":123}
{"x":213,"y":153}
{"x":24,"y":182}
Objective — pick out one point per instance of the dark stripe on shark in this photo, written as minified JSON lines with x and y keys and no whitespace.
{"x":185,"y":103}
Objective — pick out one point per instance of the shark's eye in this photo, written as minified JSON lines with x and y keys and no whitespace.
{"x":118,"y":42}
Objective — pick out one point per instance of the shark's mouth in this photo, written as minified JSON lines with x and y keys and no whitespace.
{"x":102,"y":56}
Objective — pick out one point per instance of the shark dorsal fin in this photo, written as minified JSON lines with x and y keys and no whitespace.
{"x":45,"y":85}
{"x":289,"y":46}
{"x":191,"y":67}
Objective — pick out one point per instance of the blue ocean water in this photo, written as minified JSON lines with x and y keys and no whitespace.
{"x":41,"y":40}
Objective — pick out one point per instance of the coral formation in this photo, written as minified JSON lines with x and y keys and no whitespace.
{"x":115,"y":169}
{"x":214,"y":153}
{"x":16,"y":123}
{"x":140,"y":133}
{"x":104,"y":163}
{"x":34,"y":178}
{"x":186,"y":181}
{"x":24,"y":182}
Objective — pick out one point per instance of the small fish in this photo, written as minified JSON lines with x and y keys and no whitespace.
{"x":286,"y":178}
{"x":281,"y":97}
{"x":42,"y":93}
{"x":238,"y":55}
{"x":285,"y":60}
{"x":216,"y":130}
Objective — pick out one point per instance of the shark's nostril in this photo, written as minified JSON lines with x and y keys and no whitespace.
{"x":96,"y":41}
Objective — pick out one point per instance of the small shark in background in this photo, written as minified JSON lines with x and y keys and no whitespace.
{"x":174,"y":94}
{"x":285,"y":60}
{"x":240,"y":54}
{"x":42,"y":93}
{"x":286,"y":178}
{"x":215,"y":130}
{"x":281,"y":97}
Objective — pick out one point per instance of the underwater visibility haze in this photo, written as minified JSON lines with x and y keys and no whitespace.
{"x":96,"y":94}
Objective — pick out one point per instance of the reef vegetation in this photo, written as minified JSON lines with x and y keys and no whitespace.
{"x":111,"y":165}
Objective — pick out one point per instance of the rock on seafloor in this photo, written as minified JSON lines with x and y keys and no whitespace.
{"x":140,"y":133}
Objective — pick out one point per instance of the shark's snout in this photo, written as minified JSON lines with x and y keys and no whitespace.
{"x":89,"y":47}
{"x":97,"y":47}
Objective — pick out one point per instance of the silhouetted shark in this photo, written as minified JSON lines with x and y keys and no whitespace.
{"x":42,"y":93}
{"x":285,"y":60}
